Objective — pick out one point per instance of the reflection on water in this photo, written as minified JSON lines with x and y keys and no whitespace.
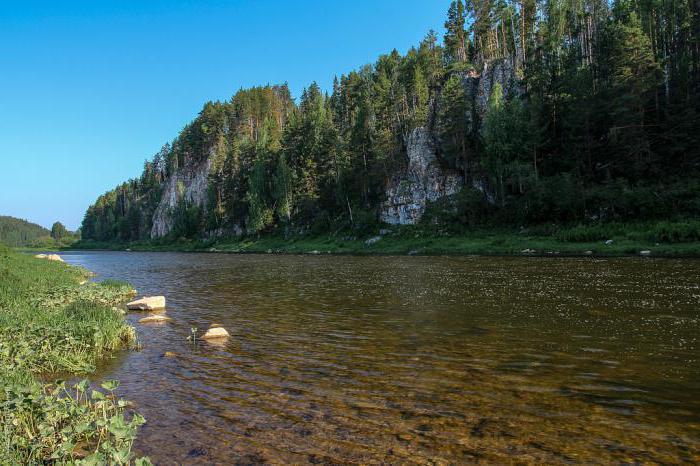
{"x":414,"y":359}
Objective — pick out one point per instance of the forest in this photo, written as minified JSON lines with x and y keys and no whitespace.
{"x":15,"y":232}
{"x":592,"y":118}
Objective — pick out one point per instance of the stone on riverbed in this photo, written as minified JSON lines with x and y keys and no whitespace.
{"x":147,"y":303}
{"x":215,"y":333}
{"x":154,"y":319}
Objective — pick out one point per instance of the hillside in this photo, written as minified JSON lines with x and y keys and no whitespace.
{"x":17,"y":232}
{"x":527,"y":114}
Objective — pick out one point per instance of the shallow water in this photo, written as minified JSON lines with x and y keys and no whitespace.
{"x":427,"y":360}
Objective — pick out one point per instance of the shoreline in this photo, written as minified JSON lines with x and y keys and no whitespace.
{"x":497,"y":245}
{"x":55,"y":325}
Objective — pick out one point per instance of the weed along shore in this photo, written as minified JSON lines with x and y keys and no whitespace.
{"x":53,"y":325}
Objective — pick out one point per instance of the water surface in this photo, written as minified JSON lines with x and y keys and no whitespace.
{"x":424,"y":360}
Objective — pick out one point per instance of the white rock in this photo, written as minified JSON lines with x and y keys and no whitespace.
{"x":645,"y":253}
{"x":154,"y":319}
{"x":609,"y":242}
{"x":528,"y":251}
{"x":424,"y":180}
{"x":373,"y":240}
{"x":147,"y":303}
{"x":215,"y":332}
{"x":51,"y":257}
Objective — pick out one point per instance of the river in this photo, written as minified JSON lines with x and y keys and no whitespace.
{"x":423,"y":360}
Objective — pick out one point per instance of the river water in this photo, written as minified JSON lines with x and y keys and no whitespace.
{"x":423,"y":360}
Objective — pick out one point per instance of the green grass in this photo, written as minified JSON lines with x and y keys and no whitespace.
{"x":671,"y":239}
{"x":49,"y":325}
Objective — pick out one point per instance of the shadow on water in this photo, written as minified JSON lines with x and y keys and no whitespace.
{"x":413,"y":359}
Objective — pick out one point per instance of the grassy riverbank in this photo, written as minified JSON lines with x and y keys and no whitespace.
{"x":672,"y":239}
{"x":50,"y":324}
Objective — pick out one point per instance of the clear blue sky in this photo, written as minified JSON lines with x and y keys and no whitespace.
{"x":89,"y":89}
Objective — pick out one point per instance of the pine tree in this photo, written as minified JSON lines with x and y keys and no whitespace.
{"x":455,"y":36}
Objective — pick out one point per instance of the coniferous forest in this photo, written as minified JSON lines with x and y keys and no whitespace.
{"x":548,"y":111}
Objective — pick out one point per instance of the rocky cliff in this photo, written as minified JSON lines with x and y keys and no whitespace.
{"x":185,"y":184}
{"x":426,"y":179}
{"x":423,"y":181}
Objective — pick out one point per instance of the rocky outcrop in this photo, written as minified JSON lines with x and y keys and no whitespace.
{"x":424,"y":180}
{"x":147,"y":303}
{"x":186,"y":184}
{"x":494,"y":72}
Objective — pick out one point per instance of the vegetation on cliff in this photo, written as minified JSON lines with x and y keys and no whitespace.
{"x":50,"y":324}
{"x":590,"y":116}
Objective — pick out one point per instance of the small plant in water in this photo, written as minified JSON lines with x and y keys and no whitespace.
{"x":193,"y":335}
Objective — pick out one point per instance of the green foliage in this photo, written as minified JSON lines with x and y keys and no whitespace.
{"x":49,"y":323}
{"x":58,"y":231}
{"x":592,"y":117}
{"x":17,"y":232}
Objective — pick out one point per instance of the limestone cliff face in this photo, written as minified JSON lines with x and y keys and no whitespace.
{"x":426,"y":179}
{"x":186,"y":184}
{"x":423,"y":181}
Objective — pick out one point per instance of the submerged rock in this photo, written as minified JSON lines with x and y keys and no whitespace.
{"x":215,"y":333}
{"x":147,"y":303}
{"x":154,"y":319}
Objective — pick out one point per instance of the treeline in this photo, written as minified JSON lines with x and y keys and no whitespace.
{"x":593,"y":116}
{"x":16,"y":232}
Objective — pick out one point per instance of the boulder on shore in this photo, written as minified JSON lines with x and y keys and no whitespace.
{"x":215,"y":333}
{"x":154,"y":319}
{"x":51,"y":257}
{"x":147,"y":303}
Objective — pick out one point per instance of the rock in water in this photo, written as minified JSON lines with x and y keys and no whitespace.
{"x":154,"y":319}
{"x":645,"y":253}
{"x":147,"y":303}
{"x":215,"y":333}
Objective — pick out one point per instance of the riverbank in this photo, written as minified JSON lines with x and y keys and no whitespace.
{"x":663,"y":239}
{"x":54,"y":324}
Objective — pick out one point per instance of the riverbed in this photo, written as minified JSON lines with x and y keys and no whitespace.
{"x":423,"y":360}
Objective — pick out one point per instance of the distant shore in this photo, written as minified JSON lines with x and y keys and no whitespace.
{"x":612,"y":240}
